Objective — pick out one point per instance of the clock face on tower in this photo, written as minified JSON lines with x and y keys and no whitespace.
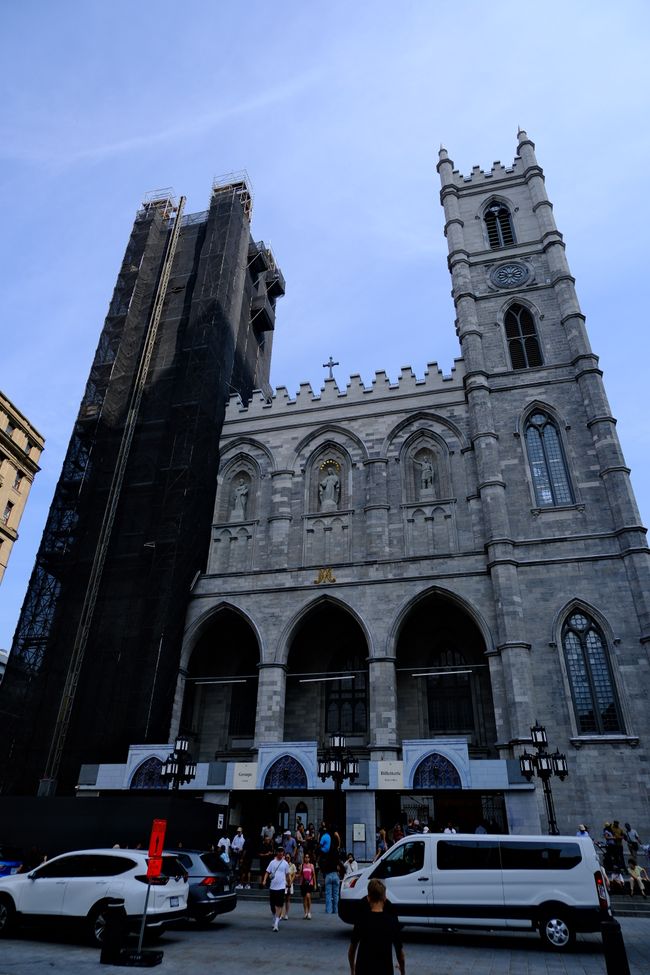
{"x":510,"y":275}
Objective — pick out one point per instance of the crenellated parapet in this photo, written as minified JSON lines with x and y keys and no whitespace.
{"x":434,"y":380}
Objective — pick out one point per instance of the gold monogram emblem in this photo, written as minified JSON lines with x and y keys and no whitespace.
{"x":324,"y":575}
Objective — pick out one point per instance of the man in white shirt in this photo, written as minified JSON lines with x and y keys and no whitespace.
{"x":236,"y":850}
{"x":277,"y":870}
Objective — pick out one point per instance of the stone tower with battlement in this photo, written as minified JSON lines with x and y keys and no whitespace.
{"x":430,"y":565}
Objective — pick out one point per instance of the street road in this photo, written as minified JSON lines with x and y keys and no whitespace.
{"x":242,"y":943}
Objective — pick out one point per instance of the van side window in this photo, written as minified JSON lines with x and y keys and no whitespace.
{"x":401,"y":861}
{"x":544,"y":855}
{"x":468,"y":855}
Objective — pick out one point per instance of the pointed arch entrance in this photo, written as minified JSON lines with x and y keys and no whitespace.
{"x":444,"y":696}
{"x":327,"y":677}
{"x":220,"y":702}
{"x":443,"y":678}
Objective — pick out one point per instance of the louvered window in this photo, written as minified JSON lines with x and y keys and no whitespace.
{"x":498,"y":223}
{"x":547,"y":464}
{"x":592,"y":686}
{"x":523,"y":343}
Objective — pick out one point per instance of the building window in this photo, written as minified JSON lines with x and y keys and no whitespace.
{"x":10,"y":428}
{"x":547,"y":464}
{"x":498,"y":224}
{"x":449,"y":696}
{"x":346,"y":706}
{"x":28,"y":447}
{"x":523,"y":343}
{"x":6,"y":515}
{"x":18,"y":480}
{"x":590,"y":676}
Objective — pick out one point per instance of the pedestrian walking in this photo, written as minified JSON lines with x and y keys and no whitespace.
{"x":374,"y":937}
{"x":276,"y":872}
{"x":291,"y":876}
{"x":307,"y":884}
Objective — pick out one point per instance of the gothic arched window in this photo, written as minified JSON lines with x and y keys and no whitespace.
{"x":590,"y":675}
{"x":346,"y":706}
{"x":498,"y":224}
{"x":547,"y":464}
{"x":449,"y":695}
{"x":521,"y":333}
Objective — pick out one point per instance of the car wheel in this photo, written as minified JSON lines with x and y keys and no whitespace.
{"x":557,"y":933}
{"x":7,"y":916}
{"x":97,"y":926}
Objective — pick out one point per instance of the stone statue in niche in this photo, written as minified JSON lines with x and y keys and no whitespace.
{"x":424,"y":461}
{"x":239,"y":500}
{"x":329,"y":489}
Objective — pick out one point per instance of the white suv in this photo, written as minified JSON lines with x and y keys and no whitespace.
{"x":77,"y":886}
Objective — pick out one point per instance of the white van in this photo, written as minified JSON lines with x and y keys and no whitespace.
{"x":554,"y":884}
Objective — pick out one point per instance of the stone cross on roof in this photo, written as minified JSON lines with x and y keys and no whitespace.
{"x":330,"y":365}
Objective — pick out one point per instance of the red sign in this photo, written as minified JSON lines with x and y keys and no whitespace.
{"x":154,"y":867}
{"x":157,"y":838}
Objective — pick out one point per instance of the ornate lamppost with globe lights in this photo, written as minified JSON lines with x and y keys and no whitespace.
{"x":545,"y":766}
{"x":338,"y":763}
{"x":178,"y":768}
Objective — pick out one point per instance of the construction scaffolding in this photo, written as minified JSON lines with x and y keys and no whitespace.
{"x":96,"y":649}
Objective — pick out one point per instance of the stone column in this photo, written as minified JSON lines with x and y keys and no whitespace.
{"x":271,"y":693}
{"x":376,"y":508}
{"x":280,"y":517}
{"x":382,"y":706}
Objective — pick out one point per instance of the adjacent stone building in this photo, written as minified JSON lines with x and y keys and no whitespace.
{"x":21,"y":446}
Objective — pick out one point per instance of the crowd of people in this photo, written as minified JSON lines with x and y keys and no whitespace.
{"x":623,"y":877}
{"x":305,"y":859}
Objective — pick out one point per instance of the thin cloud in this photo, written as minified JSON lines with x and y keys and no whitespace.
{"x":192,"y":127}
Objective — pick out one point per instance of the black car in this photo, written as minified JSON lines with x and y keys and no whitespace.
{"x":211,"y":890}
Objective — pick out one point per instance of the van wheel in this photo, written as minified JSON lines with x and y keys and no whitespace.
{"x":7,"y":916}
{"x":557,"y":933}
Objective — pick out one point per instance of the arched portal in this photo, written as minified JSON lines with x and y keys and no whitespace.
{"x":327,"y":678}
{"x":286,"y":773}
{"x":443,"y":679}
{"x":221,"y":697}
{"x":436,"y":772}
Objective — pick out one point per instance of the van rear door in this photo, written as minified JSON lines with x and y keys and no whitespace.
{"x":406,"y":872}
{"x":468,"y":888}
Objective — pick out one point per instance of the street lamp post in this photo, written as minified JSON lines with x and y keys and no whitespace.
{"x":338,"y":763}
{"x":178,"y":768}
{"x":545,"y":766}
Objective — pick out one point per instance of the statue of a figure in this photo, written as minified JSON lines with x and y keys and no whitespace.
{"x":426,"y":472}
{"x":240,"y":500}
{"x":329,"y":490}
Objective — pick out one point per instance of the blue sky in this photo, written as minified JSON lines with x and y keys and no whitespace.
{"x":336,"y":112}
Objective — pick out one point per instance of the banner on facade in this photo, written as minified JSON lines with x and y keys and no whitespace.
{"x":244,"y":775}
{"x":390,"y":775}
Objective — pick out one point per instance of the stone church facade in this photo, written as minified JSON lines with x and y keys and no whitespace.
{"x":431,"y":565}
